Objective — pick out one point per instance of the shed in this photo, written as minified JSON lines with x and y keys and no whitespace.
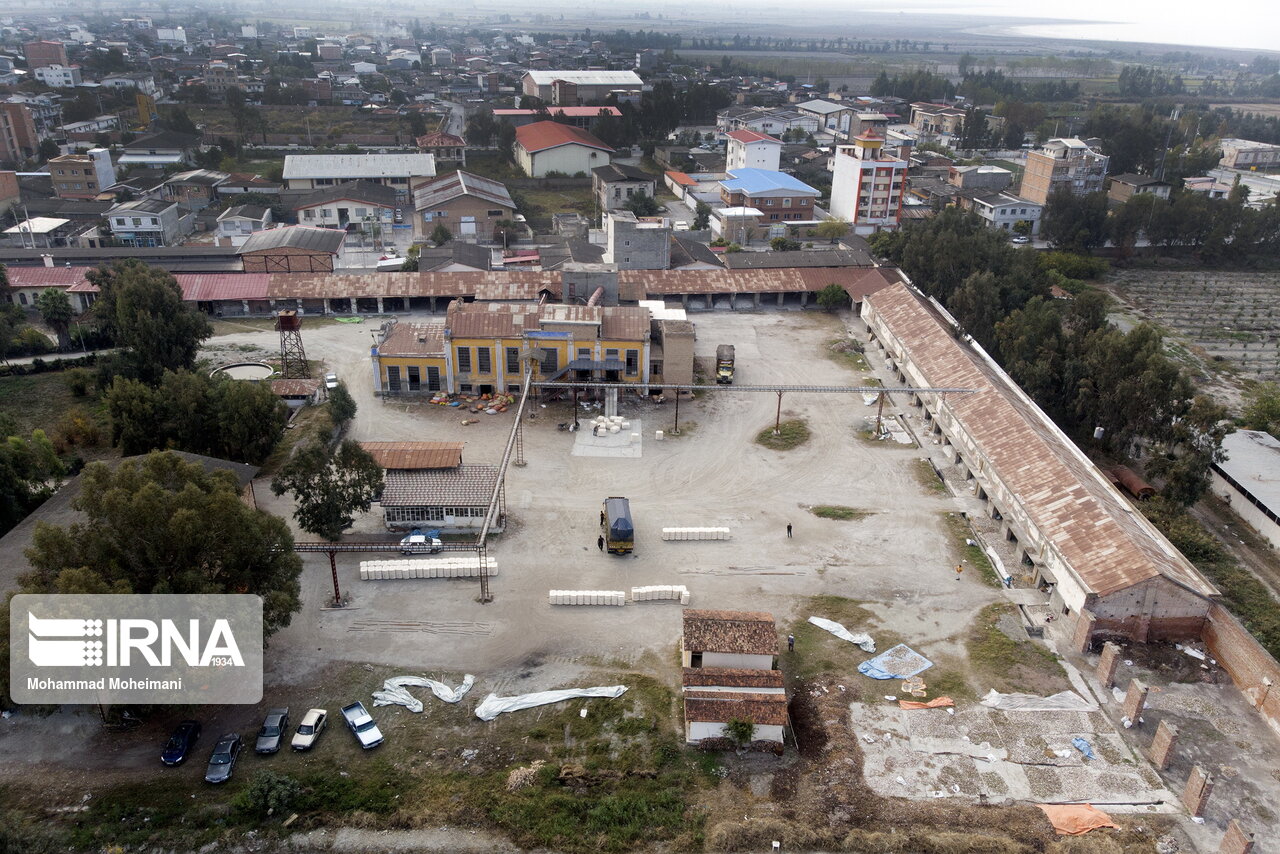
{"x":454,"y":500}
{"x":292,"y":249}
{"x":707,"y":712}
{"x":733,"y":639}
{"x":1249,"y":480}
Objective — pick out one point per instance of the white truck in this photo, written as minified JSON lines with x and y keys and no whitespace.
{"x":361,"y":725}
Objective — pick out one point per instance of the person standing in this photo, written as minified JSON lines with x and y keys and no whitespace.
{"x":788,"y":529}
{"x":959,"y":570}
{"x":791,"y":643}
{"x":600,"y":542}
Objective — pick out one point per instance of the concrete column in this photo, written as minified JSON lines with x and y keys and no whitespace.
{"x":1108,"y":663}
{"x":1195,"y":795}
{"x":1236,"y":840}
{"x":610,"y":402}
{"x":1134,"y":699}
{"x":755,"y":300}
{"x":804,"y":298}
{"x":1162,"y":745}
{"x":379,"y":305}
{"x":780,"y":297}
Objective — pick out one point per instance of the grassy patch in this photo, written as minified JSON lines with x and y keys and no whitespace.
{"x":308,"y":421}
{"x":36,"y":400}
{"x":848,"y":352}
{"x":790,"y":434}
{"x":820,"y":653}
{"x":1009,"y":665}
{"x":840,"y":512}
{"x":977,"y":559}
{"x":928,"y":477}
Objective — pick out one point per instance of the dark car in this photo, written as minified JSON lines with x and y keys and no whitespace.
{"x":223,"y":760}
{"x":181,"y":743}
{"x":272,"y":732}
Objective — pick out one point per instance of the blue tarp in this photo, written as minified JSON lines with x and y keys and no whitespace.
{"x":1084,"y":747}
{"x":897,"y":663}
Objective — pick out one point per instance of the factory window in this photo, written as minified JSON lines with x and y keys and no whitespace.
{"x":484,"y":358}
{"x":464,"y":360}
{"x":513,"y":360}
{"x":633,"y":362}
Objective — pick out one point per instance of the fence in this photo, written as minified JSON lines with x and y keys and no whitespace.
{"x":1251,"y":667}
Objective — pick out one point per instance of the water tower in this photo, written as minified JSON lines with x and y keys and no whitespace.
{"x":293,"y":357}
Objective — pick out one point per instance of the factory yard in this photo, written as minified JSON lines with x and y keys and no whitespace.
{"x":857,"y":766}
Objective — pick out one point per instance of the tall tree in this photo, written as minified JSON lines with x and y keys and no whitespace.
{"x":55,"y":309}
{"x":200,"y":537}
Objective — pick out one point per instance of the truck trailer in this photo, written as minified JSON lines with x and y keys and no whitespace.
{"x":724,"y":364}
{"x":615,"y":521}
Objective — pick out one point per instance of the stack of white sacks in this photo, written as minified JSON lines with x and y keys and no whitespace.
{"x":659,"y":592}
{"x":613,"y":424}
{"x":695,"y":533}
{"x":588,"y":597}
{"x":467,"y":566}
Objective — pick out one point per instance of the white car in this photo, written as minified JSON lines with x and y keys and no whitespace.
{"x":361,"y":724}
{"x":1020,"y":239}
{"x":330,"y":380}
{"x":419,"y":543}
{"x":680,"y":225}
{"x":309,"y":729}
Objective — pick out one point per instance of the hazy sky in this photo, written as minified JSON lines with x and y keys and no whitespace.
{"x":1253,"y":24}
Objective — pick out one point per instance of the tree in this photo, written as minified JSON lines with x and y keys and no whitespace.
{"x":142,"y":311}
{"x":642,"y":204}
{"x":701,"y":216}
{"x":832,"y":229}
{"x":1075,"y":222}
{"x":55,"y":309}
{"x":329,"y":488}
{"x":784,"y":244}
{"x":48,"y":148}
{"x":342,"y":406}
{"x":440,"y":235}
{"x":417,"y":124}
{"x":740,"y":731}
{"x":29,"y":469}
{"x":1262,"y":409}
{"x":200,"y":537}
{"x":504,"y":230}
{"x":833,"y":297}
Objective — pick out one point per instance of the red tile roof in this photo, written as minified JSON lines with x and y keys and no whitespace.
{"x":717,"y":707}
{"x":438,"y":139}
{"x":415,"y":455}
{"x":681,"y":178}
{"x":752,"y":136}
{"x":742,"y":632}
{"x":541,"y":136}
{"x":730,"y":677}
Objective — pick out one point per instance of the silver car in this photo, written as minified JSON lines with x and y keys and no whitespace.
{"x":273,"y":731}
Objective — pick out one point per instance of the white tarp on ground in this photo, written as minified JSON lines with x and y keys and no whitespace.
{"x":1065,"y":701}
{"x":494,"y":705}
{"x":864,"y":641}
{"x":395,"y":691}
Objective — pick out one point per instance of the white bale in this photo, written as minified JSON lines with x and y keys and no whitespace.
{"x":684,"y":598}
{"x":657,"y":434}
{"x":625,"y":425}
{"x":614,"y":428}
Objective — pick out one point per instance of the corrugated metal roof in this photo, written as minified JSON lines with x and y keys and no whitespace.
{"x":295,"y":388}
{"x":415,"y":455}
{"x":751,"y":136}
{"x":306,"y":166}
{"x":857,"y":281}
{"x":741,"y":632}
{"x":754,"y":181}
{"x":1253,"y":461}
{"x":435,"y":193}
{"x":295,"y":237}
{"x":47,"y":277}
{"x":198,"y":287}
{"x":464,"y":486}
{"x":567,"y":112}
{"x":364,"y":192}
{"x":414,"y":339}
{"x":587,"y":78}
{"x":1108,"y":545}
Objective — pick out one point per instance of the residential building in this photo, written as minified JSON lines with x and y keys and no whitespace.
{"x":401,"y":172}
{"x":18,"y":138}
{"x":352,"y":203}
{"x":780,"y":198}
{"x":58,"y":76}
{"x":833,"y":118}
{"x":748,"y":149}
{"x":444,"y":147}
{"x":580,"y":117}
{"x":235,"y":224}
{"x":1249,"y":480}
{"x":82,"y":176}
{"x":172,"y":36}
{"x":774,"y":121}
{"x":42,"y":53}
{"x":10,"y":192}
{"x":937,"y":119}
{"x":146,"y":222}
{"x":291,"y":249}
{"x":742,"y":640}
{"x":161,"y":150}
{"x":219,"y":76}
{"x":90,"y":127}
{"x":481,"y":347}
{"x":1121,"y":188}
{"x":1208,"y":185}
{"x":195,"y":188}
{"x":584,"y":87}
{"x":736,"y":223}
{"x":614,"y":184}
{"x":144,"y":83}
{"x":544,"y":147}
{"x":468,"y":205}
{"x":714,"y":696}
{"x":867,"y":185}
{"x":441,"y":57}
{"x":983,"y":177}
{"x":637,"y":243}
{"x":1071,"y":164}
{"x":41,"y":232}
{"x":1247,"y":154}
{"x":1001,"y":210}
{"x":329,"y":52}
{"x":868,"y":120}
{"x":45,"y":110}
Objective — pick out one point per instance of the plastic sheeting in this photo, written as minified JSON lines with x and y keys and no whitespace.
{"x":494,"y":705}
{"x":899,"y":662}
{"x":1065,"y":701}
{"x":862,"y":640}
{"x":395,"y":691}
{"x":1076,"y":819}
{"x":935,"y":703}
{"x":1084,"y":747}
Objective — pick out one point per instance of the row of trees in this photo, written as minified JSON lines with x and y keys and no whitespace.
{"x":1082,"y":371}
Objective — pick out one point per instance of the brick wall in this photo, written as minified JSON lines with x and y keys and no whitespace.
{"x":1248,"y":664}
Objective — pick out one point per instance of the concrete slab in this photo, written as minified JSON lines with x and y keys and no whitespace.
{"x":605,"y":444}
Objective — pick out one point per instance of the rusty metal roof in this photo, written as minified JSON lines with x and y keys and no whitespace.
{"x":416,"y":455}
{"x":295,"y":388}
{"x":219,"y":286}
{"x":490,"y":319}
{"x":414,"y":339}
{"x":46,"y":277}
{"x":742,"y":632}
{"x":624,"y":323}
{"x":463,"y":486}
{"x":722,"y":707}
{"x":857,"y":281}
{"x":1108,"y":545}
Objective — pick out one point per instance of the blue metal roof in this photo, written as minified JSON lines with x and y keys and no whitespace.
{"x":753,"y":181}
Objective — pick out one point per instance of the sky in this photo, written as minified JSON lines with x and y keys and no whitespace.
{"x":1248,"y":24}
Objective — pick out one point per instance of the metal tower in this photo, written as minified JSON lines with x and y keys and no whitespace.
{"x":293,"y":357}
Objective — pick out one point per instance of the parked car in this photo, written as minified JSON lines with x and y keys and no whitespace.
{"x":362,"y":725}
{"x":399,"y":216}
{"x":309,"y":729}
{"x":420,"y":543}
{"x":1021,"y":238}
{"x":330,"y":380}
{"x":273,"y":731}
{"x":222,"y":762}
{"x":181,"y":743}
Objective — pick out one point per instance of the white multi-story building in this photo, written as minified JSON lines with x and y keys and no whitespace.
{"x":1003,"y":211}
{"x":748,"y":149}
{"x":58,"y":76}
{"x":867,"y":185}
